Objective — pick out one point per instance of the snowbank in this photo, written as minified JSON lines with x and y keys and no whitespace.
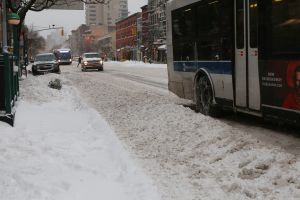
{"x":138,"y":64}
{"x":61,"y":149}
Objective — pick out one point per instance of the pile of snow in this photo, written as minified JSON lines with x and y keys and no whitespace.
{"x":60,"y":149}
{"x":129,"y":63}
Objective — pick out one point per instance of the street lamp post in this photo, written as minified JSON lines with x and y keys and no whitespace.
{"x":7,"y":75}
{"x":10,"y":92}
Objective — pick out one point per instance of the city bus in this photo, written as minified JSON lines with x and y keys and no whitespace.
{"x":64,"y":56}
{"x":242,"y":55}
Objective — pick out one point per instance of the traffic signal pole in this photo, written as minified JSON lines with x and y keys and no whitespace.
{"x":53,"y":28}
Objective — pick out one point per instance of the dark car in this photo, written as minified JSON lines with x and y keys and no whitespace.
{"x":91,"y":61}
{"x":44,"y":63}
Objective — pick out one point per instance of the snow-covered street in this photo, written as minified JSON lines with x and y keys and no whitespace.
{"x":119,"y":134}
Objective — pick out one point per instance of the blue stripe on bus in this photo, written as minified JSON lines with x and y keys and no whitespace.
{"x":214,"y":67}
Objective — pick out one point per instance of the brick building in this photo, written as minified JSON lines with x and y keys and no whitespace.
{"x":126,"y":37}
{"x":86,"y":38}
{"x":144,"y":36}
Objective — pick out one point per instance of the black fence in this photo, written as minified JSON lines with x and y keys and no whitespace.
{"x":2,"y":91}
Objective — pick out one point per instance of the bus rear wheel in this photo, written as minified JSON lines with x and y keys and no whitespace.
{"x":204,"y":98}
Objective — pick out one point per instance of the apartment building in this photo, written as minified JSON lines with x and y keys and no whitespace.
{"x":157,"y":29}
{"x":106,"y":14}
{"x":157,"y":19}
{"x":94,"y":14}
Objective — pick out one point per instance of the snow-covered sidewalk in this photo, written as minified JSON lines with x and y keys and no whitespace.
{"x":61,"y":149}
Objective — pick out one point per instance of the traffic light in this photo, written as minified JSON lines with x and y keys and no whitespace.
{"x":62,"y":32}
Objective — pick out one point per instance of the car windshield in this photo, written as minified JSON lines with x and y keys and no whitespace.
{"x":92,"y":55}
{"x":48,"y":57}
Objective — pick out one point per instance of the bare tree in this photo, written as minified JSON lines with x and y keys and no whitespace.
{"x":36,"y":42}
{"x":23,"y":6}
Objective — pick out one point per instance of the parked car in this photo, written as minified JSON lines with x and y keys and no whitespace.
{"x":91,"y":60}
{"x":44,"y":63}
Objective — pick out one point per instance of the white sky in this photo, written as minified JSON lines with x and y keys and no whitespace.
{"x":69,"y":19}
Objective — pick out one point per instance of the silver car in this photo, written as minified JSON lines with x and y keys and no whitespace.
{"x":91,"y":61}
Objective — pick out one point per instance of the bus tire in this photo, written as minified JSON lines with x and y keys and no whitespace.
{"x":204,"y":98}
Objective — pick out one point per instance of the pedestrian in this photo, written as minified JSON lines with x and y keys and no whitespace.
{"x":79,"y":60}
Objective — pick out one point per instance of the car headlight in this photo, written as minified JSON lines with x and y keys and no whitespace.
{"x":85,"y":62}
{"x":59,"y":61}
{"x":70,"y":60}
{"x":101,"y":62}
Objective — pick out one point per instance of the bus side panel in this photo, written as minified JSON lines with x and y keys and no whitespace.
{"x":220,"y":73}
{"x":181,"y":82}
{"x":223,"y":86}
{"x":280,"y":114}
{"x":278,"y":84}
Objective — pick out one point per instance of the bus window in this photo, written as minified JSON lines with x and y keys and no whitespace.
{"x":281,"y":28}
{"x":214,"y":28}
{"x":203,"y":31}
{"x":184,"y":52}
{"x":183,"y":25}
{"x":253,"y":23}
{"x":183,"y":34}
{"x":240,"y":24}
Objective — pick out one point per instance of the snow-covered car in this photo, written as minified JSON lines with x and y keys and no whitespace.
{"x":44,"y":63}
{"x":91,"y":60}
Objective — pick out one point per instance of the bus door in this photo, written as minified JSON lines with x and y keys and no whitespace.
{"x":247,"y":87}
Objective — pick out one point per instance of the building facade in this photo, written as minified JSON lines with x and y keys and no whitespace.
{"x":116,"y":10}
{"x":127,"y":38}
{"x":94,"y":14}
{"x":107,"y":45}
{"x":106,"y":14}
{"x":144,"y":35}
{"x":157,"y":29}
{"x":99,"y":38}
{"x":76,"y":39}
